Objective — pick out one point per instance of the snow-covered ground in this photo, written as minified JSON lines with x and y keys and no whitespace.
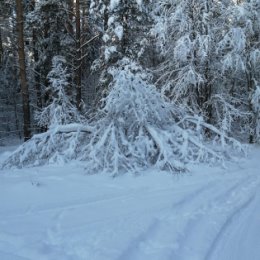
{"x":59,"y":213}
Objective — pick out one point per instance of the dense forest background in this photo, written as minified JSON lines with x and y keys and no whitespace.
{"x":145,"y":82}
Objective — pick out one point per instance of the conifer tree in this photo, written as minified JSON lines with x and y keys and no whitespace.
{"x":123,"y":34}
{"x":60,"y":109}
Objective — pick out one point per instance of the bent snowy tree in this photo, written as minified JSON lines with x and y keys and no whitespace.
{"x":135,"y":129}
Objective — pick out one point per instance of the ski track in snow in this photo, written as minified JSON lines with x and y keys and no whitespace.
{"x":204,"y":216}
{"x":156,"y":241}
{"x":238,"y":233}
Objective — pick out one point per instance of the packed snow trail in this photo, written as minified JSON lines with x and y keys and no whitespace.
{"x":57,"y":212}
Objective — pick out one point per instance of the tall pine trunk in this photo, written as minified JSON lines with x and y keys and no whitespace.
{"x":78,"y":55}
{"x":37,"y":77}
{"x":1,"y":49}
{"x":22,"y":70}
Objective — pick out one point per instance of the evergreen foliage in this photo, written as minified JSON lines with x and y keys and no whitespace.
{"x":59,"y":110}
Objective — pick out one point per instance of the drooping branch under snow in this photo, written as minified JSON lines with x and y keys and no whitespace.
{"x":224,"y":138}
{"x":70,"y":128}
{"x":59,"y":144}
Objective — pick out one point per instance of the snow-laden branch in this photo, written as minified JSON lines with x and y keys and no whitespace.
{"x":70,"y":128}
{"x":223,"y":137}
{"x":59,"y":144}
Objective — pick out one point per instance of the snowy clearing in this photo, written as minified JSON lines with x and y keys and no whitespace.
{"x":57,"y":212}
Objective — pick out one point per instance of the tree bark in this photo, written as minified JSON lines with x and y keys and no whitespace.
{"x":106,"y":14}
{"x":22,"y":70}
{"x":250,"y":84}
{"x":78,"y":56}
{"x":37,"y":77}
{"x":1,"y":49}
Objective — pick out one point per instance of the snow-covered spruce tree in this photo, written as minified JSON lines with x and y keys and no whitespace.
{"x":65,"y":135}
{"x":124,"y":34}
{"x":124,"y":26}
{"x":59,"y":109}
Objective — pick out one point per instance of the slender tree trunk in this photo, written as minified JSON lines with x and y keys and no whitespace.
{"x":17,"y":128}
{"x":106,"y":14}
{"x":78,"y":56}
{"x":1,"y":49}
{"x":70,"y":18}
{"x":84,"y":29}
{"x":22,"y":70}
{"x":37,"y":78}
{"x":250,"y":85}
{"x":124,"y":18}
{"x":71,"y":10}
